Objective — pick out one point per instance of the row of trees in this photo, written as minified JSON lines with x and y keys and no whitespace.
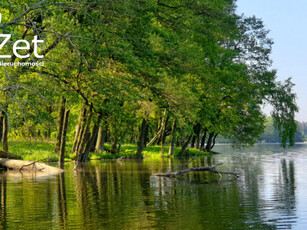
{"x":151,"y":72}
{"x":271,"y":134}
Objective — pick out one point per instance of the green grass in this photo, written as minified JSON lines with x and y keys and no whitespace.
{"x":155,"y":151}
{"x":38,"y":151}
{"x":44,"y":151}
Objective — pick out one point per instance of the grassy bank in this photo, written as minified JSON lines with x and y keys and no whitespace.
{"x":44,"y":151}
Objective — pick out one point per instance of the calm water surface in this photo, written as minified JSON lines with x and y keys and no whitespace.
{"x":271,"y":193}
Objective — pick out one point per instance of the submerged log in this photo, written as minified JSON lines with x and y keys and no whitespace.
{"x":202,"y":169}
{"x":21,"y":165}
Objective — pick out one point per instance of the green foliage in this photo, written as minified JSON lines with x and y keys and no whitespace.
{"x":271,"y":133}
{"x":196,"y":62}
{"x":37,"y":151}
{"x":44,"y":151}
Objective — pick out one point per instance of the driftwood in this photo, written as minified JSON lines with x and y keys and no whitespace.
{"x":200,"y":169}
{"x":21,"y":165}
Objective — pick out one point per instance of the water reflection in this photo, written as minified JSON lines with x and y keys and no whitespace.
{"x":62,"y":201}
{"x":287,"y":183}
{"x":125,"y":195}
{"x":3,"y":200}
{"x":283,"y":200}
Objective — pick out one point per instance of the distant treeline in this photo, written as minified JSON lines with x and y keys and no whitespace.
{"x":271,"y":134}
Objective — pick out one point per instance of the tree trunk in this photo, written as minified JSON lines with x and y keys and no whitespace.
{"x":185,"y":145}
{"x":78,"y":128}
{"x":163,"y":135}
{"x":213,"y":144}
{"x":48,"y":133}
{"x":4,"y":134}
{"x":131,"y":139}
{"x":197,"y":133}
{"x":160,"y":128}
{"x":113,"y":146}
{"x":91,"y":140}
{"x":203,"y":139}
{"x":49,"y":125}
{"x":179,"y":139}
{"x":63,"y":141}
{"x":141,"y":141}
{"x":82,"y":130}
{"x":193,"y":141}
{"x":146,"y":134}
{"x":9,"y":155}
{"x":5,"y":126}
{"x":85,"y":135}
{"x":60,"y":125}
{"x":173,"y":138}
{"x":154,"y":138}
{"x":209,"y":142}
{"x":1,"y":125}
{"x":100,"y":139}
{"x":119,"y":146}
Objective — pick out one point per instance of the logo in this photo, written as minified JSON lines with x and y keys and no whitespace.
{"x":19,"y":45}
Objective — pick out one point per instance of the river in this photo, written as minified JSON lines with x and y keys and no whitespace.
{"x":271,"y":193}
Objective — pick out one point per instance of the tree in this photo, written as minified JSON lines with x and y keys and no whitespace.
{"x":147,"y":69}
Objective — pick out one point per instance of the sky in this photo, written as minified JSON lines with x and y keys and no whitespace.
{"x":287,"y":22}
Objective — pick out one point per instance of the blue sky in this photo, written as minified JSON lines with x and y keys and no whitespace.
{"x":287,"y":21}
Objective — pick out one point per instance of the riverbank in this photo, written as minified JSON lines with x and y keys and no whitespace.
{"x":44,"y":151}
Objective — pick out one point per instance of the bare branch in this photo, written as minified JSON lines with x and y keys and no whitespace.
{"x":18,"y":18}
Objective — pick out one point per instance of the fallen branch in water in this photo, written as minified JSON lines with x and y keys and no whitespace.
{"x":200,"y":169}
{"x":33,"y":167}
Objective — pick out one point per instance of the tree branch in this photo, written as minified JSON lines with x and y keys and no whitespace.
{"x":15,"y":20}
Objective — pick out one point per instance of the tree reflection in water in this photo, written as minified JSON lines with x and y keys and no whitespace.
{"x":284,"y":195}
{"x":3,"y":181}
{"x":124,"y":195}
{"x":62,"y":201}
